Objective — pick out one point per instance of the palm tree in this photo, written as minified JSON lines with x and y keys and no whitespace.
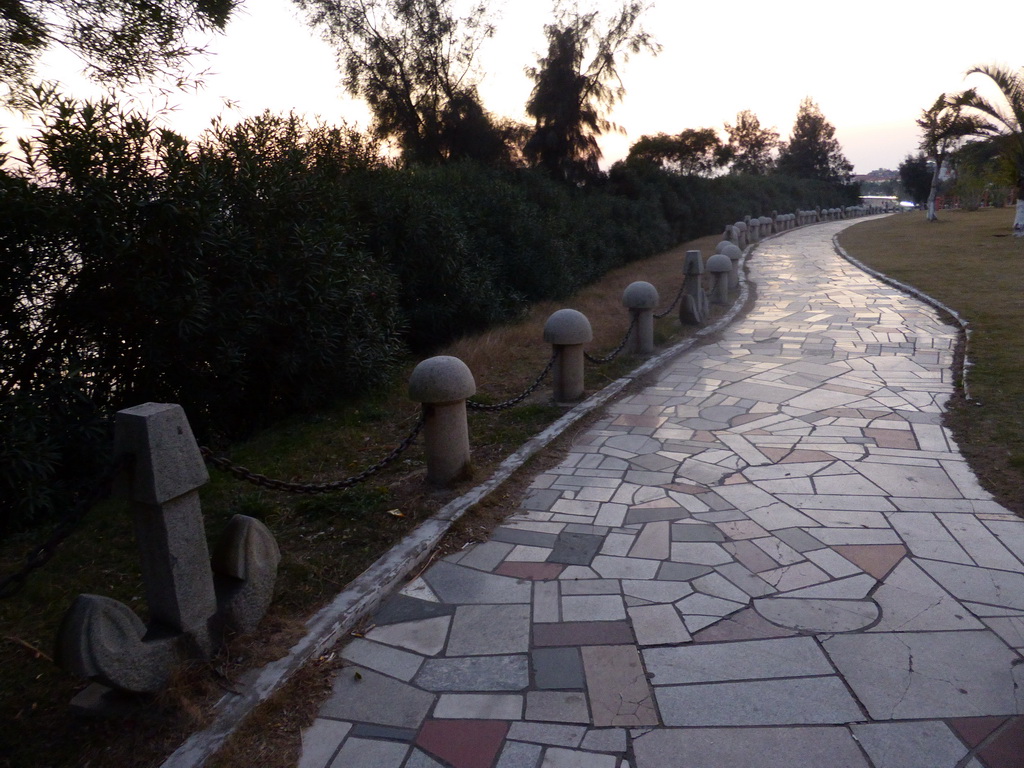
{"x":1007,"y":123}
{"x":944,"y":127}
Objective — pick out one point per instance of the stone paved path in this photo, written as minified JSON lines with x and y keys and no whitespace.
{"x":773,"y":557}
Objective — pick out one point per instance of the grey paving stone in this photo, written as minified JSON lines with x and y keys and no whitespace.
{"x":548,"y":734}
{"x":362,"y":695}
{"x":518,"y":755}
{"x":382,"y":658}
{"x":575,"y":548}
{"x":479,"y":706}
{"x":681,"y":571}
{"x":368,"y":753}
{"x":637,"y":515}
{"x":979,"y":585}
{"x":605,"y":740}
{"x":320,"y":741}
{"x":750,"y":660}
{"x":557,"y":706}
{"x":475,"y":673}
{"x":592,"y":587}
{"x":912,"y":601}
{"x":818,"y":615}
{"x":564,"y":758}
{"x":557,"y":669}
{"x":420,"y":759}
{"x":460,"y":586}
{"x":699,"y":532}
{"x":910,"y":745}
{"x":426,"y":637}
{"x":803,"y":701}
{"x":929,"y":675}
{"x":484,"y":630}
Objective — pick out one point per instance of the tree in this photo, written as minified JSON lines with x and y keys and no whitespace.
{"x":750,"y":145}
{"x":120,"y":41}
{"x":813,"y":152}
{"x":571,"y":93}
{"x":693,"y":152}
{"x":916,"y":178}
{"x":944,"y":126}
{"x":1008,"y":125}
{"x":414,"y":63}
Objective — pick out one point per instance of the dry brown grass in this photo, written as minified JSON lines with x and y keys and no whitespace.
{"x":969,"y":261}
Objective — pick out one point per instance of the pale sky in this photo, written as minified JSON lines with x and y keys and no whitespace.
{"x":870,"y":67}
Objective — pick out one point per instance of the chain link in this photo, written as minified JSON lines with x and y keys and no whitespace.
{"x":42,"y":554}
{"x":615,"y":352}
{"x":475,"y":406}
{"x":659,"y":315}
{"x":242,"y":473}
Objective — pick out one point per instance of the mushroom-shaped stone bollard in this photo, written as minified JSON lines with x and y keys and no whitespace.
{"x":442,"y":385}
{"x":734,"y":254}
{"x":720,"y":248}
{"x":567,"y":331}
{"x":766,"y":226}
{"x":693,"y":307}
{"x":719,"y":266}
{"x":640,"y":298}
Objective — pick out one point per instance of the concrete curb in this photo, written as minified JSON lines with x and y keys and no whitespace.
{"x":365,"y":593}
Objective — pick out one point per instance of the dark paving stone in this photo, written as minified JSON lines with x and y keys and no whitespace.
{"x":581,"y":633}
{"x":695,"y":532}
{"x":463,"y":743}
{"x":529,"y":538}
{"x":531,"y":571}
{"x":798,"y":539}
{"x":541,"y":500}
{"x":635,"y":516}
{"x":401,"y":608}
{"x":590,"y":530}
{"x":465,"y":586}
{"x":575,"y":548}
{"x":558,"y":669}
{"x":681,"y":571}
{"x":362,"y":730}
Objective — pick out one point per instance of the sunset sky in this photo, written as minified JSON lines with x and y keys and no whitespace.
{"x":871,"y":68}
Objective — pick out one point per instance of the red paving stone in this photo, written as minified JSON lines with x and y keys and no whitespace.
{"x":799,"y":457}
{"x":531,"y":571}
{"x":463,"y":743}
{"x":1007,"y":749}
{"x":875,"y":559}
{"x":582,"y":633}
{"x":892,"y":438}
{"x":686,"y":488}
{"x":974,"y":730}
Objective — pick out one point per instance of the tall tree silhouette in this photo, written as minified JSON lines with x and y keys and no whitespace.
{"x":576,"y":83}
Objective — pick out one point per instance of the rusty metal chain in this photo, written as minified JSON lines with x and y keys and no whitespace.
{"x":475,"y":406}
{"x":615,"y":352}
{"x":242,"y":473}
{"x":659,"y":315}
{"x":40,"y":555}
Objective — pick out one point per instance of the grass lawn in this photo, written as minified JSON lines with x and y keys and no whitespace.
{"x":970,"y":262}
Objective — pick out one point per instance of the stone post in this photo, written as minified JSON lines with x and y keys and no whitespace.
{"x":641,"y":299}
{"x":168,"y":470}
{"x":567,"y":331}
{"x":734,"y":254}
{"x":741,"y":234}
{"x":693,"y":308}
{"x":442,"y":385}
{"x":719,"y":266}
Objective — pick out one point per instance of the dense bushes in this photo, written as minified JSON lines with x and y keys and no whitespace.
{"x":273,"y":266}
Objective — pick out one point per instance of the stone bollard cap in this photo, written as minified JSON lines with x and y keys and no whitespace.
{"x":567,"y":327}
{"x":719,"y":263}
{"x":442,"y":379}
{"x":720,"y":248}
{"x":732,"y":251}
{"x":640,"y":295}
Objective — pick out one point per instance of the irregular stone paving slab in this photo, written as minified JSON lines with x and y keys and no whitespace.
{"x":771,"y":556}
{"x":760,"y":747}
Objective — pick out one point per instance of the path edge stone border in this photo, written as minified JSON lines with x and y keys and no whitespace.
{"x":363,"y":595}
{"x":965,"y":326}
